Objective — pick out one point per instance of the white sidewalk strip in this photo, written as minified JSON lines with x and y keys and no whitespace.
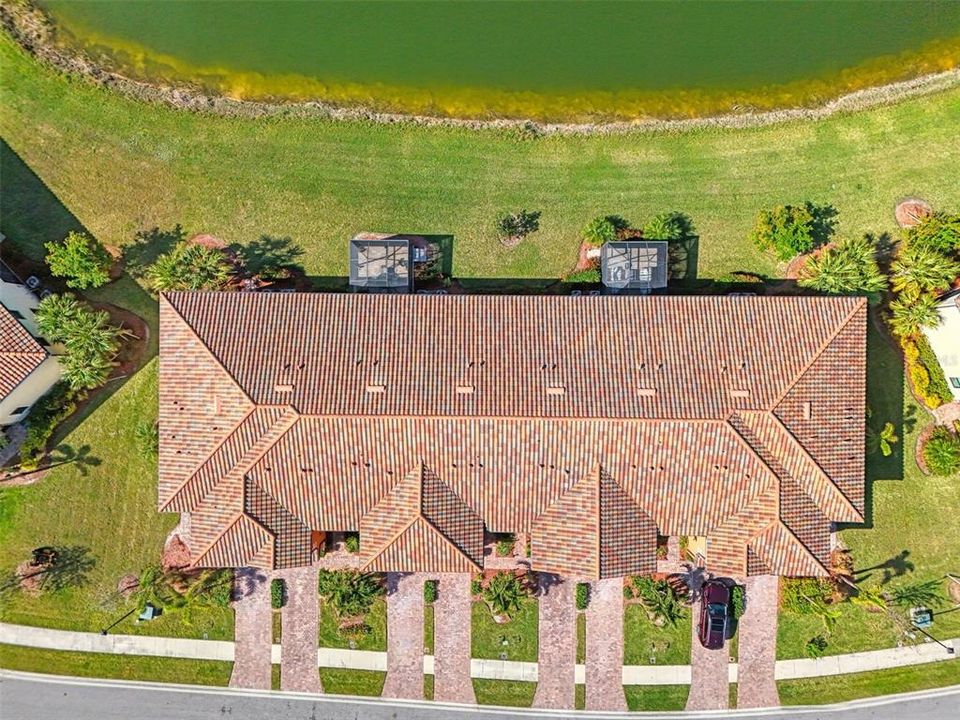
{"x":46,"y":638}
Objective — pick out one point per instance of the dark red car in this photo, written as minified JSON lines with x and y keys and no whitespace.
{"x":714,"y":612}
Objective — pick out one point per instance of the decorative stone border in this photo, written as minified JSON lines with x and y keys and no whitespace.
{"x":34,"y":32}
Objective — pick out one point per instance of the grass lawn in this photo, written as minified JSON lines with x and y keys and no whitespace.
{"x":119,"y":667}
{"x":329,"y":633}
{"x":509,"y":693}
{"x":352,"y":682}
{"x":642,"y":639}
{"x":661,"y":698}
{"x":840,"y":688}
{"x":517,"y":638}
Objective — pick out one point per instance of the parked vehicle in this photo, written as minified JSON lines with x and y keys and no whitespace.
{"x":714,"y":614}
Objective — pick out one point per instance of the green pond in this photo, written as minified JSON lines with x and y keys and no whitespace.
{"x":570,"y":60}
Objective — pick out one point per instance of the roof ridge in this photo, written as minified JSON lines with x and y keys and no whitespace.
{"x":443,"y":536}
{"x":781,"y":525}
{"x":818,"y":354}
{"x":227,"y":528}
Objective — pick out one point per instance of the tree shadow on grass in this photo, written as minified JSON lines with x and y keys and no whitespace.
{"x":269,"y":256}
{"x":147,"y":246}
{"x":71,"y":569}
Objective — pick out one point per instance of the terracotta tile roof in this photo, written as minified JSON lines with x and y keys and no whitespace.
{"x":421,"y":419}
{"x":20,"y":353}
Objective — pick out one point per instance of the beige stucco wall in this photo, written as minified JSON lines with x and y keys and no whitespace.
{"x":945,"y":340}
{"x":17,"y":297}
{"x":29,"y":391}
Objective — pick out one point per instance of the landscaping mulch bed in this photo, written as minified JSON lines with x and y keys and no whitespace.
{"x":911,"y":211}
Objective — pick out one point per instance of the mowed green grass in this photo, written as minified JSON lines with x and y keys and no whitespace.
{"x":121,"y":166}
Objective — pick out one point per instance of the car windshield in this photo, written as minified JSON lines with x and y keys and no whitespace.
{"x":717,"y":609}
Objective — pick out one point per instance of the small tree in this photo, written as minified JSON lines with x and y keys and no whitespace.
{"x":941,"y":452}
{"x":922,"y":269}
{"x":911,"y":312}
{"x":789,"y":230}
{"x":81,"y":259}
{"x":190,"y":266}
{"x":513,"y":227}
{"x":849,"y":267}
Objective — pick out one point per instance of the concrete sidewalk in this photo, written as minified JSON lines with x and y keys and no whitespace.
{"x":482,"y":669}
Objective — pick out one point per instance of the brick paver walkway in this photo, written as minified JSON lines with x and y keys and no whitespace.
{"x":404,"y":636}
{"x":557,"y":655}
{"x":709,"y":675}
{"x":298,"y":637}
{"x":451,"y":640}
{"x":604,"y":657}
{"x":756,"y":682}
{"x":253,"y":630}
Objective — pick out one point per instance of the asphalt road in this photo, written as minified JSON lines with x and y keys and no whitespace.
{"x":26,"y":696}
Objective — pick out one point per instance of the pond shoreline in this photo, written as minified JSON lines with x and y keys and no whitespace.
{"x":34,"y":32}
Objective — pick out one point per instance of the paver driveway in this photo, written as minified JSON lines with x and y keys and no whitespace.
{"x":298,"y":638}
{"x":451,"y":640}
{"x":404,"y":636}
{"x":709,"y":672}
{"x":253,"y":630}
{"x":557,"y":655}
{"x":756,"y":685}
{"x":604,"y":656}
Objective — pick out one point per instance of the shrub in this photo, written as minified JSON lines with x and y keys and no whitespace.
{"x":505,"y":545}
{"x":148,"y":438}
{"x":670,"y":226}
{"x":351,"y":593}
{"x":941,"y":452}
{"x":940,"y":232}
{"x":815,"y":647}
{"x":910,"y":350}
{"x":582,"y":595}
{"x":351,"y":542}
{"x":787,"y":230}
{"x":887,"y":439}
{"x":504,"y":593}
{"x":476,"y":586}
{"x":848,"y":267}
{"x":604,"y":229}
{"x":920,"y":377}
{"x":938,"y":381}
{"x":189,"y":267}
{"x":590,"y":276}
{"x":809,"y":596}
{"x":278,"y":593}
{"x":738,"y":601}
{"x":48,"y":412}
{"x":516,"y":226}
{"x":923,"y":269}
{"x":430,"y":592}
{"x":81,"y":259}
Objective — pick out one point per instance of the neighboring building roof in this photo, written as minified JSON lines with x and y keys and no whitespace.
{"x":944,"y":339}
{"x":419,"y":420}
{"x":20,"y":353}
{"x":634,"y":264}
{"x":380,"y":261}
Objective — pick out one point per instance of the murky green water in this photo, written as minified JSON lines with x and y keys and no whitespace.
{"x":573,"y":58}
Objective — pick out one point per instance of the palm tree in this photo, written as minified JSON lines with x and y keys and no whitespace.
{"x":350,"y":593}
{"x":190,"y":267}
{"x":84,"y":370}
{"x":659,"y":599}
{"x":921,"y":268}
{"x":848,"y":267}
{"x":911,"y":312}
{"x":56,"y":313}
{"x":504,"y":593}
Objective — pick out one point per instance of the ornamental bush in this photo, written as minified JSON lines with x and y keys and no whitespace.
{"x":941,"y":452}
{"x":604,"y":229}
{"x":351,"y":542}
{"x":848,"y":267}
{"x":430,"y":592}
{"x":278,"y":593}
{"x":940,"y":232}
{"x":81,"y":259}
{"x":671,"y":226}
{"x":738,"y":601}
{"x":582,"y":596}
{"x":189,"y":266}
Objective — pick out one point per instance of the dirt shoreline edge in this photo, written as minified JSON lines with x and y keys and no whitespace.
{"x":33,"y":31}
